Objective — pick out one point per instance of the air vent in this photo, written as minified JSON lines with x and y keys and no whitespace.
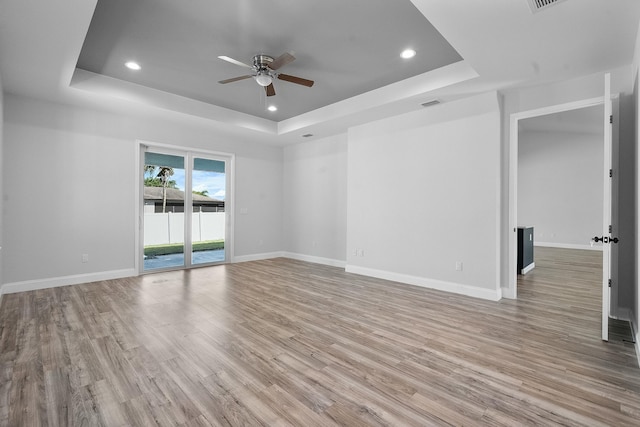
{"x":538,"y":5}
{"x":430,"y":103}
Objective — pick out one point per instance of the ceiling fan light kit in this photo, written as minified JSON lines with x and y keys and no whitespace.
{"x":264,"y":71}
{"x":263,"y":78}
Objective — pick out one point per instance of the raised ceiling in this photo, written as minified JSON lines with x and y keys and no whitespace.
{"x":347,"y":48}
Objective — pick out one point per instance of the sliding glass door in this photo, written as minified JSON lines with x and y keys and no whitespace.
{"x":163,"y":193}
{"x":208,"y":216}
{"x":184,"y":212}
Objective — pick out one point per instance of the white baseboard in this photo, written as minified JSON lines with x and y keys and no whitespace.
{"x":508,"y":293}
{"x":54,"y":282}
{"x":32,"y":285}
{"x":595,"y":247}
{"x":457,"y":288}
{"x":528,"y":268}
{"x":316,"y":259}
{"x":257,"y":257}
{"x":292,"y":255}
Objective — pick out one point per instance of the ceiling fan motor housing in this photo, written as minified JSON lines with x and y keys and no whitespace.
{"x":262,"y":61}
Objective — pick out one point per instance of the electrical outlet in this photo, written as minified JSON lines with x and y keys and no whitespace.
{"x":85,"y":258}
{"x":360,"y":252}
{"x":458,"y":265}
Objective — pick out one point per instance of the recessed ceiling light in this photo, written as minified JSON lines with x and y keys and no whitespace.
{"x":272,"y":108}
{"x":408,"y":53}
{"x":133,"y":65}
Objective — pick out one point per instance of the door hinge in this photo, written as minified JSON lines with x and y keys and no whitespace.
{"x":610,"y":173}
{"x":611,"y":119}
{"x":610,"y":229}
{"x":609,"y":282}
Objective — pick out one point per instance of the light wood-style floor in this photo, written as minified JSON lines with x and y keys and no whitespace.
{"x":282,"y":342}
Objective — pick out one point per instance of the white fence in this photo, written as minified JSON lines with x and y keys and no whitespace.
{"x":164,"y":228}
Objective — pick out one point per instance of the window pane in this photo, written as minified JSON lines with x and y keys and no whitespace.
{"x":208,"y":220}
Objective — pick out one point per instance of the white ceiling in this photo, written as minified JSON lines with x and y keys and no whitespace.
{"x":503,"y":45}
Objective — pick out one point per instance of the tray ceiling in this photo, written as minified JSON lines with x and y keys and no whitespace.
{"x":347,"y":48}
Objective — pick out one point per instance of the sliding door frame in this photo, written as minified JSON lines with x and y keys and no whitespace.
{"x":189,"y":153}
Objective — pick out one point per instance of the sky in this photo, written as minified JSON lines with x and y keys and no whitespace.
{"x":213,"y":182}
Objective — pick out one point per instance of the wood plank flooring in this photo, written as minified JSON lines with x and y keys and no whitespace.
{"x":283,"y":342}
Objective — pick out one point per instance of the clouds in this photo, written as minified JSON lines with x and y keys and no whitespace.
{"x":212,"y":182}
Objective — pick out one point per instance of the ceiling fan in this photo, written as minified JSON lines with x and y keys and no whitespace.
{"x":265,"y":71}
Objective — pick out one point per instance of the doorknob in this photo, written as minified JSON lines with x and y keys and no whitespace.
{"x":606,"y":239}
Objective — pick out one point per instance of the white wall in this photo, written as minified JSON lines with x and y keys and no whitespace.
{"x":259,"y":194}
{"x":1,"y":181}
{"x":69,"y":178}
{"x":315,"y":199}
{"x":423,"y":194}
{"x":626,"y":248}
{"x":560,"y":186}
{"x":635,"y":309}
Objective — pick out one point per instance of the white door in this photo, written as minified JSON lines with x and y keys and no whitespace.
{"x":606,"y":217}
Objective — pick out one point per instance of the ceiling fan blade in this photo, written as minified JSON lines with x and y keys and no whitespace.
{"x":270,"y":90}
{"x":296,"y":80}
{"x":282,"y":60}
{"x":234,"y":61}
{"x":234,"y":79}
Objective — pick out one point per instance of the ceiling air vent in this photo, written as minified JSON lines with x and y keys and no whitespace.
{"x":430,"y":103}
{"x":538,"y":5}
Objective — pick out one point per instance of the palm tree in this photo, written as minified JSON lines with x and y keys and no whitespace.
{"x":149,"y":169}
{"x":164,"y":174}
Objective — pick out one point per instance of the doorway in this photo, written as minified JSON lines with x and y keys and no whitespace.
{"x":609,"y":226}
{"x":185,"y":208}
{"x":560,"y":185}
